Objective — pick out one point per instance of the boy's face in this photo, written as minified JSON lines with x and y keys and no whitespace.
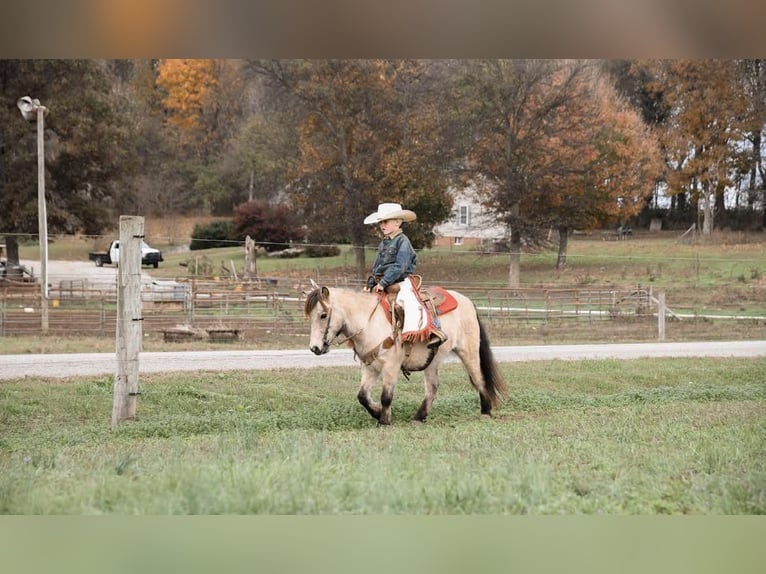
{"x":388,"y":226}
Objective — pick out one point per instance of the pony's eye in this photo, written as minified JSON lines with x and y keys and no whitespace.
{"x":323,"y":315}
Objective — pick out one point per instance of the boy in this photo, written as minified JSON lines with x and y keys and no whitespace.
{"x":393,"y":265}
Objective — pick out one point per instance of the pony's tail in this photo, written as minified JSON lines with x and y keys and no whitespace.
{"x":493,"y":380}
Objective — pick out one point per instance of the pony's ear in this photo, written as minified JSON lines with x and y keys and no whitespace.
{"x":325,"y":293}
{"x":314,"y":284}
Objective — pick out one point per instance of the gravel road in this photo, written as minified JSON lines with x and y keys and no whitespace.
{"x":78,"y":271}
{"x":89,"y":364}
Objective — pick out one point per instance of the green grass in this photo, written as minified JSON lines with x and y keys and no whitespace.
{"x":616,"y":437}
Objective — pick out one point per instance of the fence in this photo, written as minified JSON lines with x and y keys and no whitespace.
{"x":258,"y":309}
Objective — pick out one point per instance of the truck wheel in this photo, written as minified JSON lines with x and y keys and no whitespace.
{"x":99,"y":262}
{"x":156,"y":264}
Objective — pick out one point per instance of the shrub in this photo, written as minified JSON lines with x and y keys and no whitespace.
{"x":272,"y":226}
{"x":322,"y":250}
{"x":211,"y":235}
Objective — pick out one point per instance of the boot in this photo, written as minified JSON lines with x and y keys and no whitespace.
{"x":436,"y":338}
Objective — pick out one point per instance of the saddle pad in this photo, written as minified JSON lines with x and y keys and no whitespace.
{"x":443,"y":300}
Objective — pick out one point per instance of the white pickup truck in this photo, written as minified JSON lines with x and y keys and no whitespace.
{"x":149,"y":255}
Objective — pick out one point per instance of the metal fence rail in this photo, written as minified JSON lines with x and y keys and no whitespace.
{"x":85,"y":308}
{"x":550,"y":304}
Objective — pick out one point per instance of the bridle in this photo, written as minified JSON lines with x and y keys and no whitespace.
{"x":331,"y":341}
{"x":325,"y":341}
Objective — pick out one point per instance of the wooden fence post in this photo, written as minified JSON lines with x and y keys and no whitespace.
{"x":250,"y":266}
{"x":129,"y":328}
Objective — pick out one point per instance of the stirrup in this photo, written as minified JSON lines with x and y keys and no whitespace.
{"x":437,"y":338}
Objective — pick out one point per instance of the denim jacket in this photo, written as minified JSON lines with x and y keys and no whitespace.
{"x":395,"y":261}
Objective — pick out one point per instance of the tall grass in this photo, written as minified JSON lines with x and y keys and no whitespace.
{"x":633,"y":437}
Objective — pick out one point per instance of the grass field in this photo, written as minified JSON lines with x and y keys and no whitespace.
{"x":615,"y":437}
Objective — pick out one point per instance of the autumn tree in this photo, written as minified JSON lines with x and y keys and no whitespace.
{"x":87,"y":155}
{"x":512,"y":108}
{"x":602,"y":162}
{"x":204,"y":106}
{"x":753,"y":167}
{"x":705,"y":129}
{"x":366,"y":134}
{"x":189,"y":88}
{"x":632,"y":80}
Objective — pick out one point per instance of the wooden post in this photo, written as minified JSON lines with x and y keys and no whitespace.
{"x":129,"y":327}
{"x":250,"y":268}
{"x":661,"y":316}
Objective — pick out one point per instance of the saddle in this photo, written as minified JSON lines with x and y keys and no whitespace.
{"x":438,"y":301}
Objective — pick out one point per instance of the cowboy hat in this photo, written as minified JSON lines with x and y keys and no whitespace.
{"x":390,"y":211}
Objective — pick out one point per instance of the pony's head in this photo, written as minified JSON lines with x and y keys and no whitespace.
{"x":317,"y":309}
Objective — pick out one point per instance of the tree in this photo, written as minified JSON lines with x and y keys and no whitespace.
{"x":272,"y":226}
{"x":261,"y":157}
{"x":512,"y":107}
{"x":189,"y":87}
{"x":204,"y":104}
{"x":87,"y":156}
{"x":753,"y":167}
{"x":605,"y":167}
{"x":632,"y":79}
{"x":366,"y":135}
{"x":702,"y":137}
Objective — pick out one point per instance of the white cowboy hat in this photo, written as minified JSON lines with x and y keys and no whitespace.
{"x":390,"y":211}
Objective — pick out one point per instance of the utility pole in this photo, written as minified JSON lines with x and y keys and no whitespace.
{"x":32,"y":110}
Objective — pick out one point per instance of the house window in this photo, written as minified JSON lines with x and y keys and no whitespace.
{"x":458,"y":241}
{"x":463,"y":215}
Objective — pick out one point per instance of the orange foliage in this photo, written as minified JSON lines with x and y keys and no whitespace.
{"x":600,"y":161}
{"x":189,"y":86}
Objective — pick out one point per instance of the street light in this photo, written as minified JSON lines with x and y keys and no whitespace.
{"x":30,"y":111}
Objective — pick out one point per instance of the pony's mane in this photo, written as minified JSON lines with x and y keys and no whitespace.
{"x":312,"y":299}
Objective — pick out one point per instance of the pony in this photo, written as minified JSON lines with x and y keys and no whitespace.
{"x":359,"y":319}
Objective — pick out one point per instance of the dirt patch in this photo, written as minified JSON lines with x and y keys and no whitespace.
{"x":61,"y":274}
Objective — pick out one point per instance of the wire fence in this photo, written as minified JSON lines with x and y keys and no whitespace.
{"x":88,"y":308}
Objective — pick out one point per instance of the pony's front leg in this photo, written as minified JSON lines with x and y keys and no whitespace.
{"x":369,"y":376}
{"x":390,"y":375}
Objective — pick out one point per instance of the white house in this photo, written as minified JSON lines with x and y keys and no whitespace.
{"x":470,"y":223}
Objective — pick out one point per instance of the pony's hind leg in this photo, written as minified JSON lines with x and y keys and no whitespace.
{"x":472,"y":366}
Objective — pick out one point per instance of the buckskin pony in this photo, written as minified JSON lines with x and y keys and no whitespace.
{"x":340,"y":315}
